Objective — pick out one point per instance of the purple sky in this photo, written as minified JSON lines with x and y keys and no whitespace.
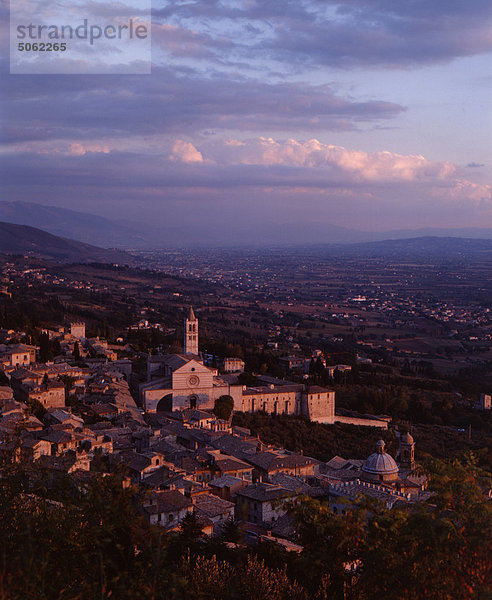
{"x":369,"y":114}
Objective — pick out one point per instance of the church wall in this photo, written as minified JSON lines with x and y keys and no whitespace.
{"x":272,"y":402}
{"x":181,"y":380}
{"x":359,"y":421}
{"x":205,"y":396}
{"x":318,"y":406}
{"x":151,"y":398}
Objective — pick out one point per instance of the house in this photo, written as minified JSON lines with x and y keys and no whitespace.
{"x":262,"y":503}
{"x":32,"y":448}
{"x":167,"y":508}
{"x":233,"y":365}
{"x":61,"y":441}
{"x":50,"y":395}
{"x":17,"y":355}
{"x":6,"y":394}
{"x":226,"y":487}
{"x":268,"y":463}
{"x":223,"y":464}
{"x":32,"y":423}
{"x":13,"y":411}
{"x":60,"y":415}
{"x":139,"y":465}
{"x":214,"y":508}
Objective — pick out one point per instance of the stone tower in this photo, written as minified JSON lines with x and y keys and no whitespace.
{"x":406,"y":453}
{"x":191,"y":333}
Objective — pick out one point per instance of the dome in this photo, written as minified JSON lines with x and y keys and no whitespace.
{"x":380,"y":466}
{"x":406,"y":438}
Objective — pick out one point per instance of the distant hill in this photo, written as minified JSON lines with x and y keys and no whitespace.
{"x":417,"y":247}
{"x":22,"y":239}
{"x":85,"y":227}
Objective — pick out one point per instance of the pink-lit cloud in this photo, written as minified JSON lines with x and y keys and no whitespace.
{"x":313,"y":154}
{"x":185,"y":152}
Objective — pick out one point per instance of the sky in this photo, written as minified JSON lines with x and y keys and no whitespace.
{"x":258,"y":115}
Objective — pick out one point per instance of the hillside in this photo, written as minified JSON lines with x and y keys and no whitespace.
{"x":22,"y":239}
{"x":85,"y":227}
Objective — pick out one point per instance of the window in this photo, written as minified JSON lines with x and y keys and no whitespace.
{"x":171,"y":518}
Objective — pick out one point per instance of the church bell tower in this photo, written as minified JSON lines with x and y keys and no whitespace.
{"x":407,"y":452}
{"x":191,"y":333}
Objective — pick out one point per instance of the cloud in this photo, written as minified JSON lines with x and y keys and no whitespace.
{"x":189,"y":43}
{"x":180,"y":102}
{"x":185,"y":152}
{"x":341,"y":34}
{"x":81,"y":149}
{"x":325,"y":158}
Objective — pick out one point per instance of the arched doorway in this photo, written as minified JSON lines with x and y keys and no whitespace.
{"x":165,"y":403}
{"x":193,"y":401}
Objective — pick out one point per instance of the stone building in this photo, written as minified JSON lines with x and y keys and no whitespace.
{"x":380,"y":466}
{"x":379,"y":476}
{"x":50,"y":395}
{"x":17,"y":355}
{"x":181,"y":381}
{"x":262,"y":503}
{"x":191,"y":334}
{"x":77,"y":330}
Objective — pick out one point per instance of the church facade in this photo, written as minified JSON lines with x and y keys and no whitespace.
{"x":181,"y":381}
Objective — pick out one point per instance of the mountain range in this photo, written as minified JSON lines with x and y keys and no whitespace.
{"x":23,"y":239}
{"x":106,"y":232}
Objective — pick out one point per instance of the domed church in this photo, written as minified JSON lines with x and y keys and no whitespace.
{"x":400,"y":474}
{"x":380,"y":466}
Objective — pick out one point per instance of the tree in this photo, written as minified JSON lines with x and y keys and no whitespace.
{"x":68,"y":382}
{"x":231,"y":531}
{"x":76,"y":352}
{"x":224,"y":405}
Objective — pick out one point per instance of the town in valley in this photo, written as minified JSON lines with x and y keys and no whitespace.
{"x":225,"y":392}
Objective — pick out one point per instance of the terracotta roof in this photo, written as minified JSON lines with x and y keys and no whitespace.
{"x":225,"y":481}
{"x":213,"y":506}
{"x":230,"y":464}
